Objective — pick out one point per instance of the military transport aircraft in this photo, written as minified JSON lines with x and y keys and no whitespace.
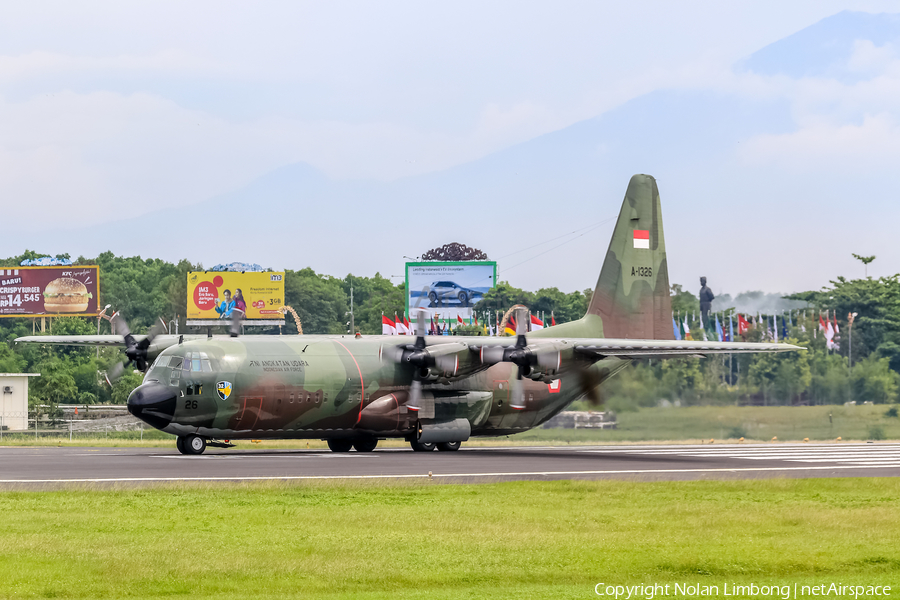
{"x":434,"y":391}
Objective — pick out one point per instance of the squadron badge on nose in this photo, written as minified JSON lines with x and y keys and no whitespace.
{"x":223,"y":389}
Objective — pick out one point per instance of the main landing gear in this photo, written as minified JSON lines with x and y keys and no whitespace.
{"x":364,"y":445}
{"x":428,"y":447}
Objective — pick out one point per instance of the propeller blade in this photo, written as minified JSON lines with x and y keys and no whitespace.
{"x":415,"y":395}
{"x":522,"y":321}
{"x":421,"y":328}
{"x":517,"y":391}
{"x":237,"y":316}
{"x":115,"y":372}
{"x":157,"y":329}
{"x":120,"y":324}
{"x":589,"y":380}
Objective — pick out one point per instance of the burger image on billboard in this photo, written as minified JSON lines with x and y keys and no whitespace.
{"x":66,"y":295}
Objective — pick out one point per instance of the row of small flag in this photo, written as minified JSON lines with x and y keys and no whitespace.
{"x":828,"y":325}
{"x":400,"y":325}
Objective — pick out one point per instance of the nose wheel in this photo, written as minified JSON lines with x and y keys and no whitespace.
{"x":191,"y":444}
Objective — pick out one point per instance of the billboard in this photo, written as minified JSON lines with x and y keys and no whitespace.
{"x":448,"y":289}
{"x":40,"y":291}
{"x":212,"y":295}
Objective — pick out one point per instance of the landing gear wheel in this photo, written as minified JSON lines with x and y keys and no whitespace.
{"x":179,"y":443}
{"x":340,"y":445}
{"x":421,"y":447}
{"x":194,"y":444}
{"x":365,"y":445}
{"x":448,"y":446}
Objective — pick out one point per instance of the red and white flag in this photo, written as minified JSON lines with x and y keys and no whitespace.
{"x":743,"y":325}
{"x":642,"y":238}
{"x":401,"y":327}
{"x":536,"y":323}
{"x":552,"y":320}
{"x":459,"y":320}
{"x":409,"y":330}
{"x":387,"y":326}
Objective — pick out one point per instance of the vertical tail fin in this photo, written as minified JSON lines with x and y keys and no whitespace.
{"x":632,"y":294}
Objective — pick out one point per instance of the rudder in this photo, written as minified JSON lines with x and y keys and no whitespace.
{"x":632,"y":293}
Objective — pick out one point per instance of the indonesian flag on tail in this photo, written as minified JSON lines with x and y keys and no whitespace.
{"x":536,"y":323}
{"x":387,"y":326}
{"x":642,"y":238}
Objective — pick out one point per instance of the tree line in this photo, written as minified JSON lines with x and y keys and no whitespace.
{"x":143,"y":290}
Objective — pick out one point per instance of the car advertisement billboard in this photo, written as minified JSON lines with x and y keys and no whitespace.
{"x":213,"y":295}
{"x":40,"y":291}
{"x":448,"y":289}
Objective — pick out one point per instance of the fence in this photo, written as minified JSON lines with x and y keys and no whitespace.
{"x":69,"y":421}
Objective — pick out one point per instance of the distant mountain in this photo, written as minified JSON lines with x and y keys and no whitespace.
{"x":744,"y":225}
{"x":824,"y":48}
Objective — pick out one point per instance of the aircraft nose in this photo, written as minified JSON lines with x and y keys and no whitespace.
{"x":153,"y":403}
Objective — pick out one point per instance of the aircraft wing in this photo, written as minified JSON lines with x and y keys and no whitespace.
{"x":635,"y":349}
{"x":77,"y":340}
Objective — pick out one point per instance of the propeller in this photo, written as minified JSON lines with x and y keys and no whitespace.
{"x":421,"y":358}
{"x":135,"y":351}
{"x":523,"y":356}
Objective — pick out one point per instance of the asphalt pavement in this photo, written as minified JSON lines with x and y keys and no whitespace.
{"x":49,"y":467}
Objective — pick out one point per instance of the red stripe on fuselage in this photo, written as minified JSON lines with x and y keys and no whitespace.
{"x":362,"y":386}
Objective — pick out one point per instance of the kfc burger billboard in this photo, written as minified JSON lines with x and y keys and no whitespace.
{"x":40,"y":291}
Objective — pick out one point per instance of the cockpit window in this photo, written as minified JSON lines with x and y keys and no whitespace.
{"x":197,"y":362}
{"x":175,"y":362}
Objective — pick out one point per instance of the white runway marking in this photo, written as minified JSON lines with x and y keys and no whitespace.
{"x":856,"y":454}
{"x":443,"y":475}
{"x":258,"y":456}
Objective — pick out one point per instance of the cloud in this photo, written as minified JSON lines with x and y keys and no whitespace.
{"x":873,"y":145}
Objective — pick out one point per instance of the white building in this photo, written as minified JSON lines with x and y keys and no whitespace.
{"x":14,"y":400}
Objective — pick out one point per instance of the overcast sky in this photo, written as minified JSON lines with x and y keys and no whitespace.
{"x":112,"y":109}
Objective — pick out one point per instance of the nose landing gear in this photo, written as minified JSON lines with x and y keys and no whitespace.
{"x":191,"y":444}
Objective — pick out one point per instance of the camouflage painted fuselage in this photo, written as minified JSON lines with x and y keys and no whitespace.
{"x":338,"y":387}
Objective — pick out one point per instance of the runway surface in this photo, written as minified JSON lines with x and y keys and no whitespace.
{"x":34,"y":467}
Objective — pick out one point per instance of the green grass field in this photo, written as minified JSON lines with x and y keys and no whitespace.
{"x":685,"y":424}
{"x":754,"y":423}
{"x":502,"y":540}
